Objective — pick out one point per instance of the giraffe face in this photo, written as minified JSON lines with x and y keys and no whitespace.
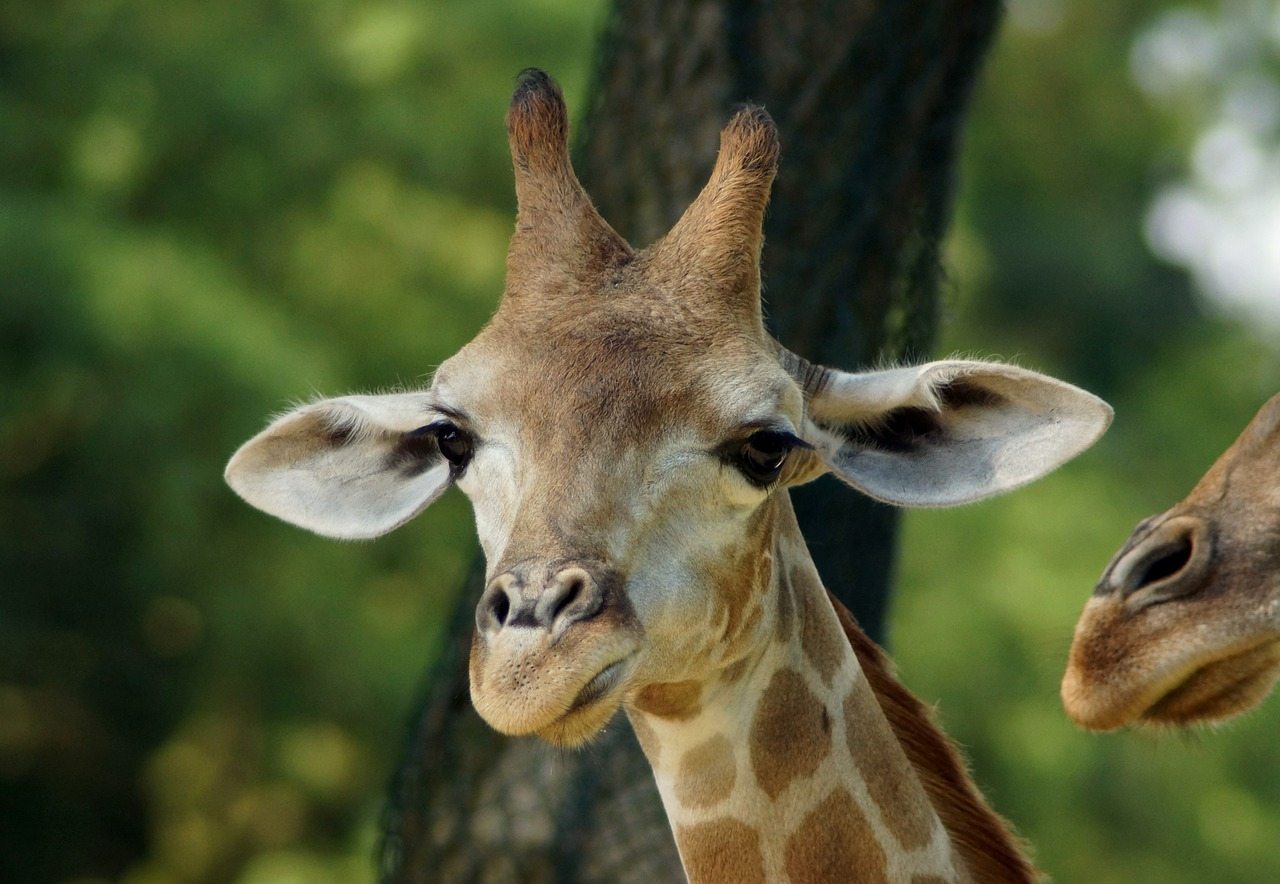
{"x":624,"y":521}
{"x":624,"y":427}
{"x":1184,"y":625}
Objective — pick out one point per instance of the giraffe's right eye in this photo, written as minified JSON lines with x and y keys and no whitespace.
{"x":455,"y":444}
{"x":764,"y":453}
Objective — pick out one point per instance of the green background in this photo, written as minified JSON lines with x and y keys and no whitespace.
{"x":210,"y":211}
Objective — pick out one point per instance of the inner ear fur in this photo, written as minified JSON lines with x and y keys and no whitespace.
{"x":950,"y":432}
{"x":910,"y":427}
{"x":351,"y":468}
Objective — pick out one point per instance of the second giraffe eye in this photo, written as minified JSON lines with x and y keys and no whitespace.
{"x":763,"y":455}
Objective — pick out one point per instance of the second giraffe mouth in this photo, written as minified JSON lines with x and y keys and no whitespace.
{"x":1220,"y":688}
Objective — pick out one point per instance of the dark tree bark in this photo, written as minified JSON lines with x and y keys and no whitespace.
{"x":869,"y":98}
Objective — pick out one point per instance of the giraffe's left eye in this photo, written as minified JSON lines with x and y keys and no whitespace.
{"x":763,"y":455}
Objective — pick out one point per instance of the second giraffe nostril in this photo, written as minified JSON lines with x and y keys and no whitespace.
{"x":1169,"y":562}
{"x":1164,"y":563}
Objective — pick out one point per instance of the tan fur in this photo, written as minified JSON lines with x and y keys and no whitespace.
{"x":980,"y":836}
{"x":785,"y":606}
{"x":884,"y":772}
{"x":648,"y":740}
{"x":734,"y":671}
{"x":714,"y":249}
{"x":561,"y":242}
{"x":737,"y":612}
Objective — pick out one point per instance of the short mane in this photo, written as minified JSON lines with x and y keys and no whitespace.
{"x":985,"y":842}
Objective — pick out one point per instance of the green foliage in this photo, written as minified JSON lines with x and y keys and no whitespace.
{"x":210,"y":210}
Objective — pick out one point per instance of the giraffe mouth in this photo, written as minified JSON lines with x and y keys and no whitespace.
{"x":1219,"y":688}
{"x":600,"y":685}
{"x":591,"y":709}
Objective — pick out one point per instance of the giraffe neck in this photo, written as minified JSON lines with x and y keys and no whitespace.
{"x":783,"y":765}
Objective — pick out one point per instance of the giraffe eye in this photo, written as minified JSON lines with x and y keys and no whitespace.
{"x":455,"y":444}
{"x":763,"y":455}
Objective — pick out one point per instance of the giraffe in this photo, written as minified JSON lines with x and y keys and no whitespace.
{"x":1184,"y":625}
{"x":626,"y":430}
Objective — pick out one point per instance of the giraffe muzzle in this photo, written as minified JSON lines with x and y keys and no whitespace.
{"x":553,"y":648}
{"x":514,"y":600}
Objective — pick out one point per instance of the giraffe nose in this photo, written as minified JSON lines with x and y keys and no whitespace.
{"x":523,"y":598}
{"x":1168,"y":561}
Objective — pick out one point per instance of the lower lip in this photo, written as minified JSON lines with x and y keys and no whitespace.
{"x":598,"y":687}
{"x":1238,"y":685}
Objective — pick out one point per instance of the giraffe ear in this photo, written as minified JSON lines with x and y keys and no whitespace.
{"x":351,"y":468}
{"x":952,"y":432}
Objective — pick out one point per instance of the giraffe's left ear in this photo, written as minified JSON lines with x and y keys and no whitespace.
{"x":949,"y":432}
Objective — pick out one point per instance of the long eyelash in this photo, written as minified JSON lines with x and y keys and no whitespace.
{"x":791,"y":439}
{"x":434,"y":427}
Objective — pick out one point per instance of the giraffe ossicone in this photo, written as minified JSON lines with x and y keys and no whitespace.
{"x":626,"y":430}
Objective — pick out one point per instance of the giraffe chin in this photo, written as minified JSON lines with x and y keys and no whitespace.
{"x":568,"y":716}
{"x":581,"y":725}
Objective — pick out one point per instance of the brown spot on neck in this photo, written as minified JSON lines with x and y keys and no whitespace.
{"x":741,"y":583}
{"x":707,"y":773}
{"x":835,"y":842}
{"x":785,"y":601}
{"x":677,"y":700}
{"x":720,"y":851}
{"x":790,"y":735}
{"x":890,"y":779}
{"x":983,"y":842}
{"x":819,"y":631}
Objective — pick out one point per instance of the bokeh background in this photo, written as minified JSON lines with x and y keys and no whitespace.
{"x":209,"y":211}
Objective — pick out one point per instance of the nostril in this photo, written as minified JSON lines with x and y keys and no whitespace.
{"x":570,"y":591}
{"x":1165,"y":562}
{"x":572,"y":595}
{"x":494,"y":608}
{"x":499,"y":608}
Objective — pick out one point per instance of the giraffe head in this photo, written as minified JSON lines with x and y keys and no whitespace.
{"x":1184,"y":625}
{"x":624,"y":427}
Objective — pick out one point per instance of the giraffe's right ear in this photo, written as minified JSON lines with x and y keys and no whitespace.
{"x":350,"y":468}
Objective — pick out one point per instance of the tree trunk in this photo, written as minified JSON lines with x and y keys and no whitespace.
{"x":869,"y":98}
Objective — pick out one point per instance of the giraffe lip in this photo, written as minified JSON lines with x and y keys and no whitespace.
{"x":1219,"y":688}
{"x":599,"y":685}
